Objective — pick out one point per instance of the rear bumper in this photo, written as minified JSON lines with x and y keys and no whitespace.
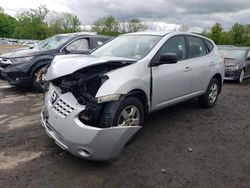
{"x":61,"y":123}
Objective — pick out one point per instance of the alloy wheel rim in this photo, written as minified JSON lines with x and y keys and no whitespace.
{"x":213,"y":92}
{"x":242,"y":76}
{"x":130,"y":116}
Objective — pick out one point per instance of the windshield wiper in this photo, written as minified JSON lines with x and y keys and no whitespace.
{"x":229,"y":58}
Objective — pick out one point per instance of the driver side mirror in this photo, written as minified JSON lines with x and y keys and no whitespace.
{"x":248,"y":59}
{"x":167,"y":58}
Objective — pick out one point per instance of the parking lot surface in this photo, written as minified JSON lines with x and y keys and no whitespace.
{"x":182,"y":146}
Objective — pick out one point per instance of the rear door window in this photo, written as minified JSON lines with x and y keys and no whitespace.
{"x":196,"y":47}
{"x":79,"y":45}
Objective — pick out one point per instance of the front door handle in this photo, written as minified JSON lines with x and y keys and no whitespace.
{"x":212,"y":63}
{"x":187,"y":69}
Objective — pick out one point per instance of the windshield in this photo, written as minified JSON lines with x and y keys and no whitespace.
{"x":128,"y":46}
{"x":232,"y":53}
{"x":53,"y":42}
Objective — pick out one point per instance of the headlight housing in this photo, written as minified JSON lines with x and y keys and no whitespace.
{"x":233,"y":68}
{"x":22,"y":59}
{"x":108,"y":98}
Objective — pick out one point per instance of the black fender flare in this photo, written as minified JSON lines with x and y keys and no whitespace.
{"x":39,"y":63}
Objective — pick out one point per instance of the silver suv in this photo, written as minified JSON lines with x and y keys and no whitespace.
{"x":95,"y":104}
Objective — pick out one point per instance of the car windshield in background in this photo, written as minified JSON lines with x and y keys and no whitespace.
{"x":53,"y":42}
{"x":232,"y":53}
{"x":128,"y":46}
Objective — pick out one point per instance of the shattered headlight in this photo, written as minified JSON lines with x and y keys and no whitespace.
{"x":22,"y":59}
{"x":108,"y":98}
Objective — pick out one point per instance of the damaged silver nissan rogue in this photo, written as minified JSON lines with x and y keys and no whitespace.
{"x":94,"y":104}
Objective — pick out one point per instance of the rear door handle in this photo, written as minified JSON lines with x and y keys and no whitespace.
{"x":187,"y":69}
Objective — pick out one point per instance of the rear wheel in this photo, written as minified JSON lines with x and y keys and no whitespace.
{"x":209,"y":99}
{"x":242,"y":75}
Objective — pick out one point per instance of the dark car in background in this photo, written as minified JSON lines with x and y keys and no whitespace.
{"x":237,"y":62}
{"x":20,"y":68}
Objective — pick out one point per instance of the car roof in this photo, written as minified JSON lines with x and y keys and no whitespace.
{"x":82,"y":34}
{"x":157,"y":33}
{"x":164,"y":33}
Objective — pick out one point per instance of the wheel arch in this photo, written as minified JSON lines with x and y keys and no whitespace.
{"x":39,"y":64}
{"x":219,"y":78}
{"x":141,"y":95}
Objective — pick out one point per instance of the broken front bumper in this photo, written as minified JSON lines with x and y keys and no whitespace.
{"x":60,"y":119}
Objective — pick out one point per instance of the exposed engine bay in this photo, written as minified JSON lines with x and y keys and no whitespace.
{"x":84,"y":84}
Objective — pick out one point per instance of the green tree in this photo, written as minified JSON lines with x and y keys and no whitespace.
{"x":31,"y":24}
{"x":216,"y":33}
{"x":106,"y":26}
{"x":7,"y":24}
{"x":237,"y":33}
{"x":135,"y":25}
{"x":40,"y":23}
{"x":70,"y":23}
{"x":62,"y":23}
{"x":110,"y":26}
{"x":246,"y":35}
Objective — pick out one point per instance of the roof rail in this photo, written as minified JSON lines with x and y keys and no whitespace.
{"x":81,"y":33}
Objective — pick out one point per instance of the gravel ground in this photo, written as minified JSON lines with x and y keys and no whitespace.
{"x":182,"y":146}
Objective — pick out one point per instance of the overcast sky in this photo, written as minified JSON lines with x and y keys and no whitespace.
{"x":196,"y":14}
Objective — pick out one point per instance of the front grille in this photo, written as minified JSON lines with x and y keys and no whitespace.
{"x":63,"y":108}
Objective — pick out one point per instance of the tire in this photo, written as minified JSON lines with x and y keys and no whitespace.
{"x":241,"y":77}
{"x":209,"y":99}
{"x":38,"y":87}
{"x":115,"y":111}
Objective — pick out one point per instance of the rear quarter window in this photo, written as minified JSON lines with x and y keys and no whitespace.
{"x":210,"y":45}
{"x":99,"y":41}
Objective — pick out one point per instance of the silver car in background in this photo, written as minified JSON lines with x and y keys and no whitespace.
{"x":95,"y":104}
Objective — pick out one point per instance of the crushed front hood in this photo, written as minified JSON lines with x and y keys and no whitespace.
{"x":63,"y":65}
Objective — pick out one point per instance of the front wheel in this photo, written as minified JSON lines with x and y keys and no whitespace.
{"x":129,"y":112}
{"x":37,"y":84}
{"x":209,"y":99}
